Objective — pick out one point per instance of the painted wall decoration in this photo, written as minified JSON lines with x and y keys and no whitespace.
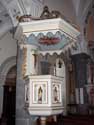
{"x":49,"y":41}
{"x":56,"y":90}
{"x":40,"y":92}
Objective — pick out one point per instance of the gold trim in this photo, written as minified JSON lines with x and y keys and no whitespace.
{"x":24,"y":65}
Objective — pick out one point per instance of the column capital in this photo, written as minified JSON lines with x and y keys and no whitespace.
{"x":22,"y":40}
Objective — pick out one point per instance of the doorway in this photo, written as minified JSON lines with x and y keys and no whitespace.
{"x":9,"y":98}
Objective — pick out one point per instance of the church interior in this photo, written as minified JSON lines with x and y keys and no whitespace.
{"x":46,"y":62}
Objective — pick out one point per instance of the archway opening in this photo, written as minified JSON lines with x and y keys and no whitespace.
{"x":9,"y":97}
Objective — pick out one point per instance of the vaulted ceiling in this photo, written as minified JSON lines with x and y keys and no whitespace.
{"x":4,"y":20}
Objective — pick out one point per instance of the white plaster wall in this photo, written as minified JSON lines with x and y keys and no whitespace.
{"x":32,"y":7}
{"x":76,"y":5}
{"x":8,"y":47}
{"x":36,"y":8}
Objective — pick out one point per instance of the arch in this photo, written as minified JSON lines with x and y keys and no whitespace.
{"x":4,"y":69}
{"x":60,"y":67}
{"x":4,"y":26}
{"x":11,"y":77}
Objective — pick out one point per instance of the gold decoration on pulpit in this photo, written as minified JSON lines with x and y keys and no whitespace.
{"x":24,"y":62}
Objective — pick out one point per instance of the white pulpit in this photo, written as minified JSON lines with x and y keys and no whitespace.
{"x":43,"y":95}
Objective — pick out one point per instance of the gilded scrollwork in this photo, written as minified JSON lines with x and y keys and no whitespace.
{"x":24,"y":65}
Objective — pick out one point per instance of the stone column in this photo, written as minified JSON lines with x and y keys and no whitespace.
{"x":22,"y":115}
{"x":80,"y":61}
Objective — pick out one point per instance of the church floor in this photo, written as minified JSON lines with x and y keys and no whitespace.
{"x":67,"y":120}
{"x":74,"y":120}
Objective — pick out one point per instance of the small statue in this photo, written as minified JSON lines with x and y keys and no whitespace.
{"x":40,"y":92}
{"x":45,"y":14}
{"x":24,"y":18}
{"x":55,"y":14}
{"x":56,"y":94}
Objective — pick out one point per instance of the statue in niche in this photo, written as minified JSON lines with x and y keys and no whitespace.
{"x":59,"y":64}
{"x":56,"y":94}
{"x":40,"y":93}
{"x":27,"y":89}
